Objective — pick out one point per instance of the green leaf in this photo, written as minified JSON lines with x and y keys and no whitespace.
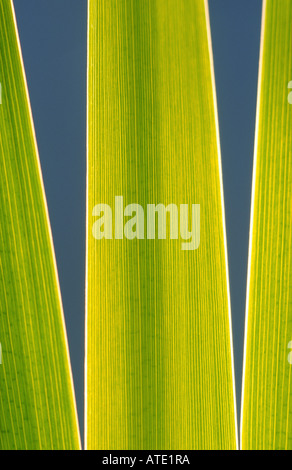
{"x":267,"y":404}
{"x":159,"y":372}
{"x":37,"y":404}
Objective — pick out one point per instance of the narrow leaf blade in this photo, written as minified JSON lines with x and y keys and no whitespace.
{"x":266,"y":420}
{"x":37,"y":404}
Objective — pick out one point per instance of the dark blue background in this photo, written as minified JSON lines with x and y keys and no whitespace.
{"x":53,"y":38}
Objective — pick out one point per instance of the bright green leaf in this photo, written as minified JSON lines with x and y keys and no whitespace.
{"x":37,"y":404}
{"x":267,"y":382}
{"x":159,"y":371}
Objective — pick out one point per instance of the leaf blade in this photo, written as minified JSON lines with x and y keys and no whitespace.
{"x":266,"y":421}
{"x":37,"y":404}
{"x":158,"y":343}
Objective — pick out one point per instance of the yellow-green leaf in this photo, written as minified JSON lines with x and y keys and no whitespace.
{"x":37,"y":404}
{"x":267,"y":382}
{"x":159,"y":371}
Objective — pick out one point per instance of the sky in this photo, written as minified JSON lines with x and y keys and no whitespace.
{"x":53,"y":39}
